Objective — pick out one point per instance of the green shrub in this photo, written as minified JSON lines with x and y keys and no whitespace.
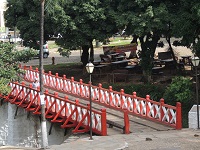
{"x":180,"y":90}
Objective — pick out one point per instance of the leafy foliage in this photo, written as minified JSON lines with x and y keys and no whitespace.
{"x":180,"y":90}
{"x":9,"y":64}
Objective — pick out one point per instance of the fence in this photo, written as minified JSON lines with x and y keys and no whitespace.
{"x":141,"y":107}
{"x":62,"y":110}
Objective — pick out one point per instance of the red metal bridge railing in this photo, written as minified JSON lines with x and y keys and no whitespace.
{"x":141,"y":107}
{"x":62,"y":110}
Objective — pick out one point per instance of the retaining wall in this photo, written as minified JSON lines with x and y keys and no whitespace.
{"x":25,"y":130}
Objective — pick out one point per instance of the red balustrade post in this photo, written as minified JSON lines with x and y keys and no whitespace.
{"x":72,"y":87}
{"x":56,"y":104}
{"x":66,"y":108}
{"x":134,"y":104}
{"x":64,"y":86}
{"x":76,"y":103}
{"x":147,"y":107}
{"x":100,"y":96}
{"x":31,"y":73}
{"x":23,"y":86}
{"x":56,"y":78}
{"x":110,"y":96}
{"x":49,"y":75}
{"x":126,"y":122}
{"x":103,"y":122}
{"x":81,"y":90}
{"x":161,"y":109}
{"x":121,"y":100}
{"x":23,"y":83}
{"x":24,"y":67}
{"x":178,"y":116}
{"x":36,"y":70}
{"x":31,"y":94}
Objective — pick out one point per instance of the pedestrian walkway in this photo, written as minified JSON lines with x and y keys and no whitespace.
{"x":185,"y":139}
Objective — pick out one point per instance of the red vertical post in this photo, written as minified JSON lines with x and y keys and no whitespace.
{"x":80,"y":87}
{"x":64,"y":86}
{"x":72,"y":87}
{"x":121,"y":100}
{"x":126,"y":122}
{"x":31,"y":73}
{"x":161,"y":109}
{"x":110,"y":97}
{"x":103,"y":122}
{"x":178,"y":116}
{"x":134,"y":105}
{"x":147,"y":107}
{"x":48,"y":79}
{"x":76,"y":103}
{"x":66,"y":108}
{"x":56,"y":78}
{"x":36,"y":73}
{"x":100,"y":96}
{"x":56,"y":104}
{"x":31,"y":94}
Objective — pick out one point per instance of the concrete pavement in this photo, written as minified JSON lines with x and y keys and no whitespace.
{"x":185,"y":139}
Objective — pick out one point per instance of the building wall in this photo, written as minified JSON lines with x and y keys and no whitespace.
{"x":25,"y":130}
{"x":2,"y":22}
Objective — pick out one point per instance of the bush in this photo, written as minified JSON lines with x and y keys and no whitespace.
{"x":180,"y":90}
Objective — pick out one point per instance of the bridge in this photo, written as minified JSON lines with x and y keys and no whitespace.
{"x":67,"y":103}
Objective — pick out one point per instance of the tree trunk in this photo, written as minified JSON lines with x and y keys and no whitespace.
{"x":91,"y":52}
{"x":147,"y":54}
{"x":85,"y":54}
{"x":168,"y":38}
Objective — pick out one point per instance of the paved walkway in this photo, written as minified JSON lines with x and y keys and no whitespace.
{"x":185,"y":139}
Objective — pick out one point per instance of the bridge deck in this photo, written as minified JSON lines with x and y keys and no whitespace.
{"x":136,"y":124}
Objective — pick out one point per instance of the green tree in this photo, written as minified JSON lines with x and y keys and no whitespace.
{"x":186,"y":24}
{"x":79,"y":22}
{"x":9,"y":63}
{"x":25,"y":15}
{"x":147,"y":20}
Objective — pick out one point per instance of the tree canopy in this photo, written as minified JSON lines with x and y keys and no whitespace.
{"x":81,"y":21}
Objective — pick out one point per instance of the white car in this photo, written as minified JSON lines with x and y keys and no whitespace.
{"x":45,"y":51}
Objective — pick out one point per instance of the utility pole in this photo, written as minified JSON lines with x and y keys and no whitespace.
{"x":43,"y":119}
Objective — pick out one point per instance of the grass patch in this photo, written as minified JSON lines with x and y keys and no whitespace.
{"x":115,"y":41}
{"x":52,"y":45}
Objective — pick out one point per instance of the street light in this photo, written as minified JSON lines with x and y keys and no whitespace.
{"x":90,"y":68}
{"x":9,"y":36}
{"x":195,"y":62}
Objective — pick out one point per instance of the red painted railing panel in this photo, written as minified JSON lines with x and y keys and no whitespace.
{"x":59,"y":109}
{"x":141,"y":107}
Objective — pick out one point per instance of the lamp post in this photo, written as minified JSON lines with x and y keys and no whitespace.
{"x":195,"y":62}
{"x":9,"y":36}
{"x":90,"y":68}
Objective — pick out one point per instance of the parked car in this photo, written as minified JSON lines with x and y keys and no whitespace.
{"x":36,"y":46}
{"x":45,"y":51}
